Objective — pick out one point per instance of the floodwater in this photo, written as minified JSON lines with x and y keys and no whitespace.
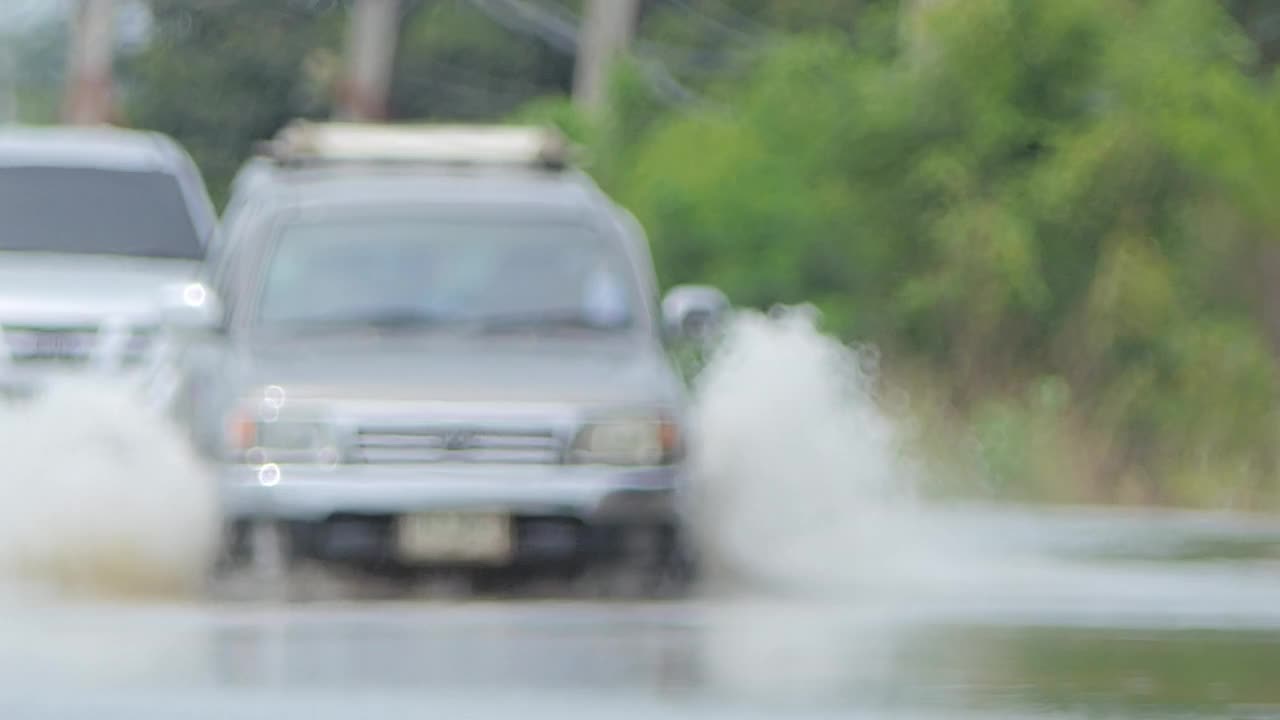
{"x":836,"y":592}
{"x":1151,"y":616}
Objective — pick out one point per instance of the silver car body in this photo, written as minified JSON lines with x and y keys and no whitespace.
{"x":441,"y":422}
{"x":67,"y":312}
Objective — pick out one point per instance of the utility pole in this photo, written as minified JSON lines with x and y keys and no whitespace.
{"x":371,"y":49}
{"x":88,"y":98}
{"x":609,"y":26}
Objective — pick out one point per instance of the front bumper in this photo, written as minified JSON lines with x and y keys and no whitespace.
{"x":30,"y":383}
{"x":590,"y":494}
{"x":557,"y":514}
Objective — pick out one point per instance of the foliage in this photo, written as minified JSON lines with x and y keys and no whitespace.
{"x":1057,"y":215}
{"x":1017,"y":191}
{"x":221,"y":76}
{"x":39,"y":65}
{"x":456,"y":63}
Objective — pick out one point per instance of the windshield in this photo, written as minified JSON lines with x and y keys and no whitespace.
{"x":494,"y":275}
{"x":102,"y":212}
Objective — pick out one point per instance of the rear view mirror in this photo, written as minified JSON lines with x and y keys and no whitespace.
{"x":190,"y":308}
{"x":694,"y":312}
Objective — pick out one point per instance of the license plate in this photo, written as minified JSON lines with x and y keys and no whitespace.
{"x":58,"y":345}
{"x":459,"y":537}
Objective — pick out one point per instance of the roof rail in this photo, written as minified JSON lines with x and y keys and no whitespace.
{"x":307,"y":142}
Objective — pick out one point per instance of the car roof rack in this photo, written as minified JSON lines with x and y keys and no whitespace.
{"x":303,"y":142}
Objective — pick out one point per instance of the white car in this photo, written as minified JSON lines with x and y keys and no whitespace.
{"x":94,"y":223}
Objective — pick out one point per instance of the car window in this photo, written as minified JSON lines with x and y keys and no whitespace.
{"x":220,"y":268}
{"x":92,"y":211}
{"x":447,"y":270}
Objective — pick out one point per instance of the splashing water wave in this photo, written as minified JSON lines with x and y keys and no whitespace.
{"x":801,"y":478}
{"x":100,"y":497}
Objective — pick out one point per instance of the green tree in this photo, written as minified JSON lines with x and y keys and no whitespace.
{"x":1076,"y":191}
{"x":1058,"y":214}
{"x":221,"y":76}
{"x":457,"y":63}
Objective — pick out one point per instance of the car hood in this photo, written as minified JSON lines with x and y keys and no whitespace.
{"x":59,"y":289}
{"x":440,"y":369}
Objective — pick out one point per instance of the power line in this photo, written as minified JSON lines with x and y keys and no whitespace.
{"x":482,"y":101}
{"x":523,"y":18}
{"x":724,"y":27}
{"x":560,"y":31}
{"x":475,"y":76}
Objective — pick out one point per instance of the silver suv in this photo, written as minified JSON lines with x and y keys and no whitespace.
{"x":94,"y":223}
{"x":441,"y":347}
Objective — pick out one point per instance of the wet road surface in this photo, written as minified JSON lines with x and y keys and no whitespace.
{"x":1095,"y":615}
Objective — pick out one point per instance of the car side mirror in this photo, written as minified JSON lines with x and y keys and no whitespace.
{"x":694,"y":312}
{"x":190,"y":308}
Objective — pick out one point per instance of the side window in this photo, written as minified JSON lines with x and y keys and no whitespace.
{"x":222,"y":268}
{"x":640,"y":256}
{"x":203,"y":215}
{"x":247,"y":251}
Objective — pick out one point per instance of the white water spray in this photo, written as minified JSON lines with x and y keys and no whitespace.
{"x":801,"y":478}
{"x":806,"y":484}
{"x":100,"y":497}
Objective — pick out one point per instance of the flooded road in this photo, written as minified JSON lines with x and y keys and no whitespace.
{"x":847,"y":596}
{"x":1120,"y":615}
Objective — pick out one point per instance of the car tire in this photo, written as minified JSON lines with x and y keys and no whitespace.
{"x":670,"y":576}
{"x":257,"y":561}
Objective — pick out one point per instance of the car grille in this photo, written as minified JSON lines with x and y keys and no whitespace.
{"x":27,"y":344}
{"x":435,"y":444}
{"x":39,"y":344}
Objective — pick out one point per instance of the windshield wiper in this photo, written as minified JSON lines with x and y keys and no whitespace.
{"x":392,"y":319}
{"x":570,"y":319}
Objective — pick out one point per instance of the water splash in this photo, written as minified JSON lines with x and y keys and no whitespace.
{"x":100,"y":497}
{"x":805,"y":486}
{"x":801,"y":480}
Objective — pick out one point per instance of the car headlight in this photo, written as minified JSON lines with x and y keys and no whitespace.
{"x":281,"y":440}
{"x":628,"y":441}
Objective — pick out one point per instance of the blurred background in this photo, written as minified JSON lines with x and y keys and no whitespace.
{"x":1048,"y":227}
{"x":1054,"y":219}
